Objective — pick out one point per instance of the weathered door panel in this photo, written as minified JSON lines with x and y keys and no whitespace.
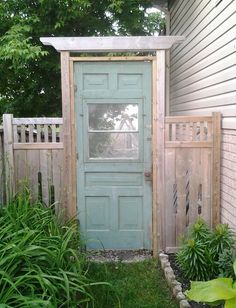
{"x":113,"y":111}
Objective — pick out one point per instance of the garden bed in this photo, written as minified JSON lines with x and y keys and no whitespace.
{"x":185,"y":283}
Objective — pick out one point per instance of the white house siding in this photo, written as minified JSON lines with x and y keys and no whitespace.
{"x":203,"y":68}
{"x":228,"y":178}
{"x":203,"y":77}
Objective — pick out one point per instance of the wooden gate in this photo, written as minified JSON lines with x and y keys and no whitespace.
{"x":191,"y":171}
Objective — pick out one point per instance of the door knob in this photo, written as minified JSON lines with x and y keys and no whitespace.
{"x":147,"y":174}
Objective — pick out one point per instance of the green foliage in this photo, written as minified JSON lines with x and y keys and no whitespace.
{"x":137,"y":284}
{"x":204,"y":252}
{"x":199,"y":231}
{"x":221,"y":240}
{"x":224,"y":263}
{"x":214,"y":292}
{"x":40,"y":265}
{"x":195,"y":260}
{"x":16,"y":46}
{"x":155,"y":23}
{"x":30,"y":78}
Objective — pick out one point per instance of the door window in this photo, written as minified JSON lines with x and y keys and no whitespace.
{"x":113,"y":131}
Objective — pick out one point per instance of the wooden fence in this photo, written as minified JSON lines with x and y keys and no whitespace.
{"x":33,"y":156}
{"x":188,"y":158}
{"x":192,"y":168}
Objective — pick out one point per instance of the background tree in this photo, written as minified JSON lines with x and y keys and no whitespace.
{"x":30,"y":72}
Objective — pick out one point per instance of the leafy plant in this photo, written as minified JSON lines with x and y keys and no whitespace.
{"x":221,"y":239}
{"x":30,"y":84}
{"x":226,"y":259}
{"x":199,"y":231}
{"x":202,"y":249}
{"x":195,"y":260}
{"x":214,"y":292}
{"x":40,"y":262}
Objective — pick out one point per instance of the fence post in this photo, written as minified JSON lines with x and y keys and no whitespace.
{"x":8,"y":156}
{"x":216,"y":117}
{"x":160,"y":150}
{"x":2,"y":181}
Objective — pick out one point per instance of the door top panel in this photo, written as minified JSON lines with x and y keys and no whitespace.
{"x":117,"y":80}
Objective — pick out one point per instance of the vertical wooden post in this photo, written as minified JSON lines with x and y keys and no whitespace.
{"x":160,"y":147}
{"x":216,"y":130}
{"x":154,"y":161}
{"x":2,"y":178}
{"x":69,"y":202}
{"x":8,"y":156}
{"x":73,"y":141}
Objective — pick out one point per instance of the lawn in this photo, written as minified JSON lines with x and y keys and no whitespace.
{"x":133,"y":285}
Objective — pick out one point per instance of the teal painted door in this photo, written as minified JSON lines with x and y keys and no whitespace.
{"x":113,"y":126}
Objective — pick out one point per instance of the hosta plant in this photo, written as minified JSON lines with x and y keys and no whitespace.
{"x":214,"y":292}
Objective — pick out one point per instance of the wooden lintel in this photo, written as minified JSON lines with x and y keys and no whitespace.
{"x":112,"y":59}
{"x":112,"y":43}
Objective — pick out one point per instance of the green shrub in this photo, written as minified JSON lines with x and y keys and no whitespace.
{"x":203,"y":251}
{"x":226,"y":259}
{"x":195,"y":260}
{"x":40,"y":262}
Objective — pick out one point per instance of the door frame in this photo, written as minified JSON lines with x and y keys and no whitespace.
{"x":158,"y":45}
{"x":156,"y":212}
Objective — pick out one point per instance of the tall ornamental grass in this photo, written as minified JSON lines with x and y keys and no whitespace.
{"x":40,"y":262}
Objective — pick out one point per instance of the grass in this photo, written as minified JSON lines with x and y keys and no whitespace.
{"x":134,"y":285}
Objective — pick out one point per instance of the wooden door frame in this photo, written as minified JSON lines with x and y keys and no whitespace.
{"x":69,"y":125}
{"x":159,"y":45}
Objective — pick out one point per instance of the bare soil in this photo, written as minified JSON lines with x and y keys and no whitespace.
{"x":126,"y":256}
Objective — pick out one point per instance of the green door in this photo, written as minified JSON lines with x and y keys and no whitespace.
{"x":113,"y":125}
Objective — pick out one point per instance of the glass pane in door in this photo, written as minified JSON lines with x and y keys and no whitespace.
{"x":113,"y":131}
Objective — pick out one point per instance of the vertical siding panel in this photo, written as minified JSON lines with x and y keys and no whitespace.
{"x":228,"y":178}
{"x":201,"y":67}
